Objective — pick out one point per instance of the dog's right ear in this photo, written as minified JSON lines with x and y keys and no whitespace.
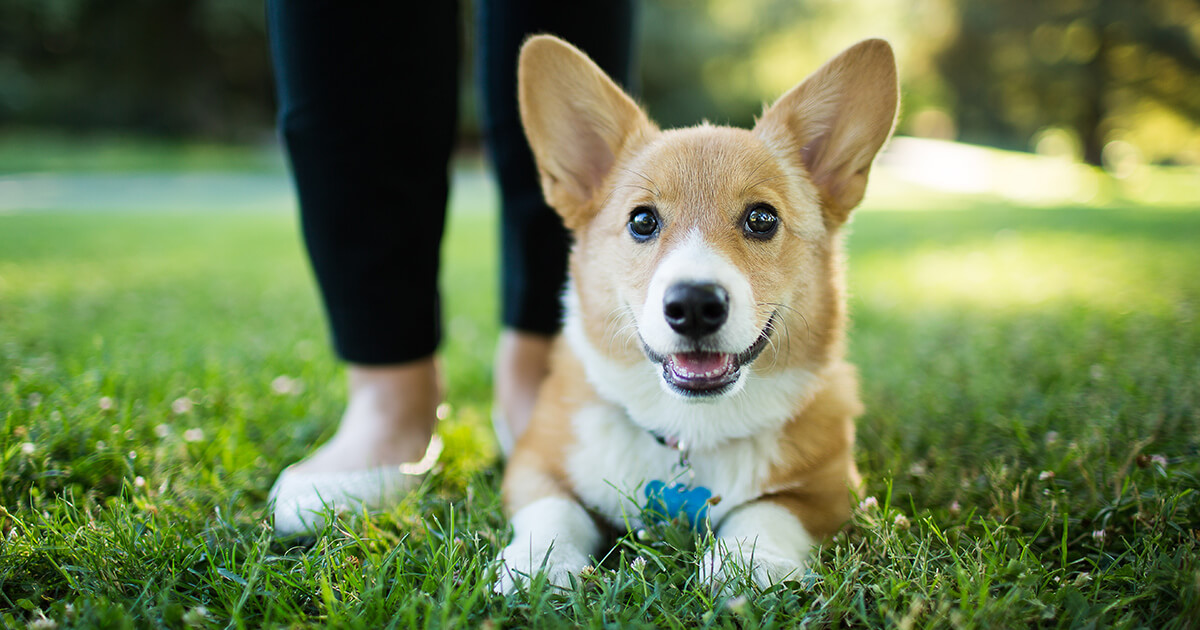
{"x":578,"y":123}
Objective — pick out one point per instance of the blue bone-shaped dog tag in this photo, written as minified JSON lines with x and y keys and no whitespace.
{"x":665,"y":502}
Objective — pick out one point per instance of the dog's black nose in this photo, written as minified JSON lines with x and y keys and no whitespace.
{"x":695,"y":309}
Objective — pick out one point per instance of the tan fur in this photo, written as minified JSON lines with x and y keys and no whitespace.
{"x":809,"y":157}
{"x":535,"y":469}
{"x":584,"y":116}
{"x":818,"y":454}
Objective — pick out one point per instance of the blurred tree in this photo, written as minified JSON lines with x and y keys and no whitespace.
{"x":723,"y":59}
{"x":998,"y":72}
{"x":677,"y":42}
{"x":163,"y":66}
{"x":200,"y":67}
{"x":1091,"y":66}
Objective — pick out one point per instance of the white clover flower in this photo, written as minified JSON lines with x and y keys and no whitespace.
{"x":286,"y":386}
{"x":196,"y":617}
{"x":42,"y":623}
{"x":182,"y":405}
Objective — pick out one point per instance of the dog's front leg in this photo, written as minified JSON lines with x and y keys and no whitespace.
{"x":762,"y":539}
{"x":554,"y":534}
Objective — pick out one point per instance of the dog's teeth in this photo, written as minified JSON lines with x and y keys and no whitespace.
{"x":690,"y":374}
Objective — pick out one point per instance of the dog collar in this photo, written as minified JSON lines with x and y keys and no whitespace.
{"x":667,"y":441}
{"x":674,"y":444}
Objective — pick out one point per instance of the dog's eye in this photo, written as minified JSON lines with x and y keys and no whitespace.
{"x":643,"y":223}
{"x":761,"y":221}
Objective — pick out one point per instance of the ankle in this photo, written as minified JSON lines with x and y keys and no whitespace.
{"x":399,"y":398}
{"x":522,"y":363}
{"x":390,"y":416}
{"x":414,"y":382}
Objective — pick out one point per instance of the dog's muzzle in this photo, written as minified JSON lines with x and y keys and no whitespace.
{"x":703,"y":372}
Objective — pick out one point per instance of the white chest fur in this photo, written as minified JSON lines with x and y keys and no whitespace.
{"x":613,"y":459}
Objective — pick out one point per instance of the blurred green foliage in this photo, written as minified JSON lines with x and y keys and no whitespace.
{"x":1108,"y":81}
{"x":1108,"y":71}
{"x":173,"y":67}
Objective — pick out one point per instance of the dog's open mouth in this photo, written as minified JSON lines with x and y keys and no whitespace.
{"x":700,"y":372}
{"x":704,"y":373}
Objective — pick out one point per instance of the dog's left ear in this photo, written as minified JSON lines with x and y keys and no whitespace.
{"x":578,"y":123}
{"x":836,"y":121}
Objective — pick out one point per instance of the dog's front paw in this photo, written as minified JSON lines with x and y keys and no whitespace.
{"x":727,"y":566}
{"x":520,"y":563}
{"x":762,"y":541}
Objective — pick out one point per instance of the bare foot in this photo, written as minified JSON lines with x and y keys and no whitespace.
{"x":389,"y":419}
{"x":522,"y":362}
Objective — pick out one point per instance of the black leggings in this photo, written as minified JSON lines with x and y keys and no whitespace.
{"x":368,"y":105}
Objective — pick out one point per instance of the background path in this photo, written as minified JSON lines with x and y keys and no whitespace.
{"x":472,"y":191}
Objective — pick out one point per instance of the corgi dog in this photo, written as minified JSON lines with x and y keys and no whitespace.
{"x":702,"y":348}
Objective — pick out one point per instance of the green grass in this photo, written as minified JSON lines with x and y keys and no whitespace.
{"x":1032,"y":439}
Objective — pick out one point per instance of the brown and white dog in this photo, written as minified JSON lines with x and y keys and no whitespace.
{"x":705,"y":315}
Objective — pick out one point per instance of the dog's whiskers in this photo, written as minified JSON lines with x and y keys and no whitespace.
{"x":771,"y":326}
{"x":628,"y":330}
{"x":764,"y":180}
{"x":782,"y":323}
{"x":777,"y":305}
{"x":657,"y":191}
{"x":615,"y":189}
{"x":756,"y":168}
{"x":624,"y":335}
{"x":637,"y":187}
{"x":768,"y":329}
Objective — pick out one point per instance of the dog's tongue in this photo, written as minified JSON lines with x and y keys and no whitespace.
{"x":701,"y":365}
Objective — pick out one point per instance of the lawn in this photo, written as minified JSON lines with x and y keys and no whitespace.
{"x":1031,"y":441}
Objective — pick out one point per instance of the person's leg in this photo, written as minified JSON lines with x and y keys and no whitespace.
{"x":367,"y":109}
{"x":534,"y":243}
{"x":389,"y":419}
